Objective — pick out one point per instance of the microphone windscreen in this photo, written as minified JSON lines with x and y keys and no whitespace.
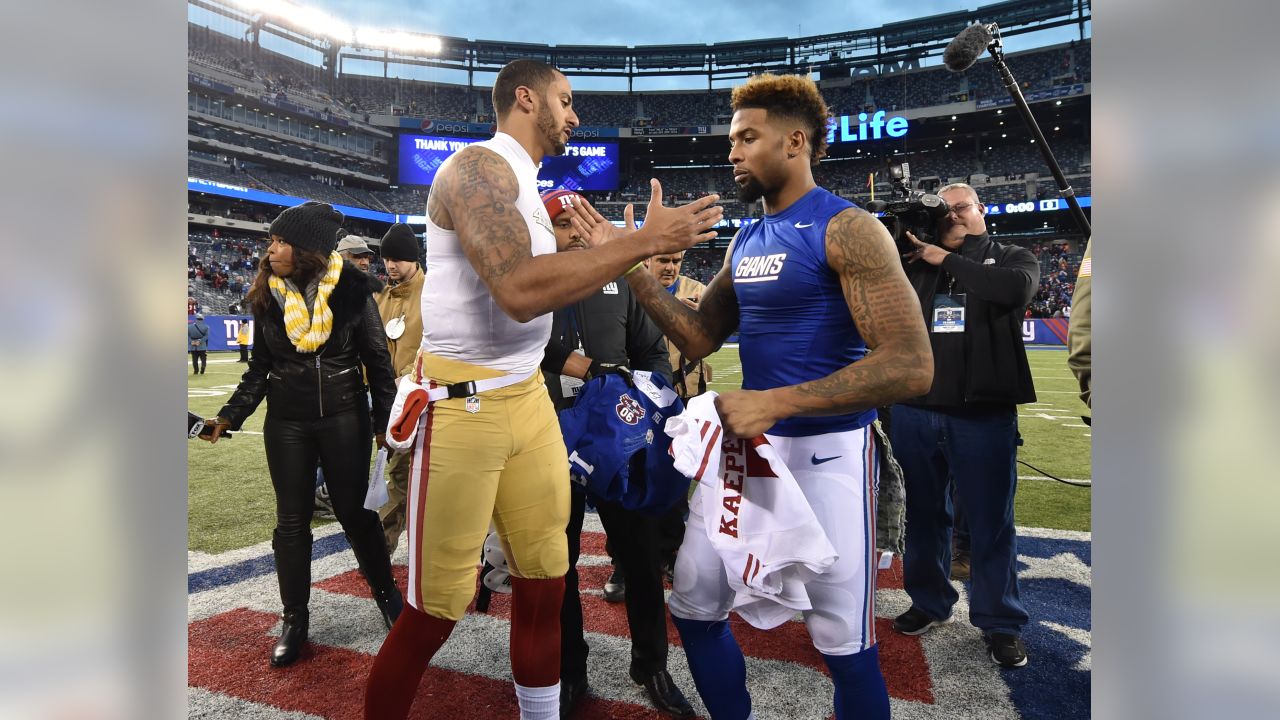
{"x":966,"y":48}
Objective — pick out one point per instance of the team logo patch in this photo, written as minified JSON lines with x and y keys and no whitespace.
{"x":759,"y":268}
{"x":630,"y":411}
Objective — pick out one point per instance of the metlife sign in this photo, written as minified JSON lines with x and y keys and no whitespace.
{"x":863,"y":126}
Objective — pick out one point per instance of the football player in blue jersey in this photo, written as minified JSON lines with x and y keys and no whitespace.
{"x":829,"y":329}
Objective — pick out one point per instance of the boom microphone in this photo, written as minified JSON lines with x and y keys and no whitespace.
{"x":967,"y":47}
{"x":963,"y":52}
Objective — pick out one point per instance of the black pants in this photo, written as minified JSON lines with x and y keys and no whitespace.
{"x":633,"y":539}
{"x":244,"y":353}
{"x":671,"y":531}
{"x":342,"y":444}
{"x":199,"y":360}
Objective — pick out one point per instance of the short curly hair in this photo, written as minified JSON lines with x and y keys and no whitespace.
{"x":789,"y":96}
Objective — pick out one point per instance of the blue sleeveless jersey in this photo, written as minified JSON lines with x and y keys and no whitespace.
{"x":795,"y":323}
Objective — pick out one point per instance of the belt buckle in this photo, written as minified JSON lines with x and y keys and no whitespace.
{"x":462,"y":390}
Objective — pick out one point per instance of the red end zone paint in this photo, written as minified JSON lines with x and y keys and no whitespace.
{"x":228,"y":653}
{"x":902,"y":658}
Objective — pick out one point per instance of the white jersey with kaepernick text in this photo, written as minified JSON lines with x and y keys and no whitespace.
{"x":754,"y":514}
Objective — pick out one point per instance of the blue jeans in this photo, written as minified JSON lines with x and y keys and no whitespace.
{"x":977,"y":452}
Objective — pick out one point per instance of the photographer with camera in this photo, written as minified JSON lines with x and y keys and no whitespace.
{"x":965,"y":429}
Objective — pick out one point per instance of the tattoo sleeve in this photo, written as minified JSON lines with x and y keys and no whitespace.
{"x":697,"y":333}
{"x":475,"y":195}
{"x":479,"y":194}
{"x":887,"y":313}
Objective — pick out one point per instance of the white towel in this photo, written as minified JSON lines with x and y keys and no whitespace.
{"x":755,"y":514}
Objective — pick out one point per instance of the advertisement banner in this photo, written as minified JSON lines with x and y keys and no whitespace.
{"x":1052,"y":93}
{"x":1045,"y":331}
{"x":223,"y":329}
{"x":437,"y":127}
{"x":243,"y":193}
{"x":584,"y":166}
{"x":659,"y":131}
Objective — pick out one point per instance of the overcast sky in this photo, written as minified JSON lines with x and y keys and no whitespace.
{"x":633,"y":22}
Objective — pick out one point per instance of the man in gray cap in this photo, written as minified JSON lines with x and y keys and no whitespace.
{"x":355,"y":249}
{"x":400,"y":306}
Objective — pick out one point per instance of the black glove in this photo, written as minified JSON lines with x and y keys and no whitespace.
{"x":599,"y":369}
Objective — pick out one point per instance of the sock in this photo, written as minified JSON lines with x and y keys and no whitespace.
{"x":397,"y":671}
{"x":539,"y":703}
{"x":860,"y":690}
{"x":719,"y":670}
{"x":535,"y":631}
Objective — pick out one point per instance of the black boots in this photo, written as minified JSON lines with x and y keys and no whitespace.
{"x":390,"y":602}
{"x":663,"y":693}
{"x":292,"y":638}
{"x":370,"y":548}
{"x":293,"y":571}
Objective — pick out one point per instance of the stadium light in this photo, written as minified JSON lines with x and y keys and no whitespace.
{"x":398,"y":41}
{"x":306,"y":18}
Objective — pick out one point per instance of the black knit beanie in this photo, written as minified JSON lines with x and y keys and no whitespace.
{"x":400,"y":244}
{"x":312,"y":226}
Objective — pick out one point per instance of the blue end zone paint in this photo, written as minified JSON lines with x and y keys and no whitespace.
{"x":1050,"y":686}
{"x":261,"y":565}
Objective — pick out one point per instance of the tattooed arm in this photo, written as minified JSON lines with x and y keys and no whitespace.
{"x":475,"y":195}
{"x":887,"y":313}
{"x":697,"y":333}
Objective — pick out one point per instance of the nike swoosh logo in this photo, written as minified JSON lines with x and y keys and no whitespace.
{"x":805,"y":225}
{"x":818,"y":461}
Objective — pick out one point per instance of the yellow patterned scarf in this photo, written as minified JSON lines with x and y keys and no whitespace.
{"x":308,"y":330}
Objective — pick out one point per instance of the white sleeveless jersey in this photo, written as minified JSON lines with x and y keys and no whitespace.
{"x":463,"y":322}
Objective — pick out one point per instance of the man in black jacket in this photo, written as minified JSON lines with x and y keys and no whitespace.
{"x":965,"y":430}
{"x":604,"y":332}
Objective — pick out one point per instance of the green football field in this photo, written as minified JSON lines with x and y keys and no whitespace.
{"x":230,"y":503}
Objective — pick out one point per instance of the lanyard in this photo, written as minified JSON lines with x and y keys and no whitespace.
{"x":575,"y":333}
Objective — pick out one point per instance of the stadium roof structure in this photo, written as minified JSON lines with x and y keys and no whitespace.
{"x":832,"y":53}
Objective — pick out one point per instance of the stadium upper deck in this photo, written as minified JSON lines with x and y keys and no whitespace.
{"x":267,"y":122}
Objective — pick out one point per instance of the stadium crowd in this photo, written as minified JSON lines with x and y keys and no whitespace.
{"x":1003,"y":174}
{"x":362,"y":94}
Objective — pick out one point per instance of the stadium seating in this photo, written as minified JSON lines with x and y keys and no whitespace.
{"x":1001,"y":174}
{"x":910,"y":89}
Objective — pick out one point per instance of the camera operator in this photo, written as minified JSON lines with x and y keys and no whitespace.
{"x":965,"y":429}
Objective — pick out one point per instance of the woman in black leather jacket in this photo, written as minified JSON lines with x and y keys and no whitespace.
{"x":311,"y":370}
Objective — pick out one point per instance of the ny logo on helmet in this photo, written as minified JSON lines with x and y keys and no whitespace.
{"x":629,"y":410}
